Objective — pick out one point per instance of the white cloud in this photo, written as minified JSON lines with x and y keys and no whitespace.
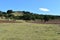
{"x":44,"y":9}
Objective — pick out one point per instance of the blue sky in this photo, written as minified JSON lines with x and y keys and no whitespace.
{"x":51,"y":7}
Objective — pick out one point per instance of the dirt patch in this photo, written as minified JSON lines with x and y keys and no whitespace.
{"x":38,"y":22}
{"x":47,"y":22}
{"x":7,"y":21}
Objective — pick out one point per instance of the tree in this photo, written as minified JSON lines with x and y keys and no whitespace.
{"x":4,"y":14}
{"x":0,"y":13}
{"x":46,"y":18}
{"x":26,"y":17}
{"x":9,"y":11}
{"x":9,"y":15}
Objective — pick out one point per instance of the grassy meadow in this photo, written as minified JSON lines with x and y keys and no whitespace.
{"x":29,"y":31}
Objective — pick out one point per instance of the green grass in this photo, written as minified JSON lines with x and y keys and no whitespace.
{"x":29,"y":31}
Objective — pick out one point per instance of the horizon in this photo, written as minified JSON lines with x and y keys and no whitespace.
{"x":30,"y":12}
{"x":46,"y":7}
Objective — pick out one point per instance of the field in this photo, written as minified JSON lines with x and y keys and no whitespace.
{"x":29,"y":31}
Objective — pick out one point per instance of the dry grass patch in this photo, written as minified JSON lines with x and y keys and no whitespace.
{"x":29,"y":31}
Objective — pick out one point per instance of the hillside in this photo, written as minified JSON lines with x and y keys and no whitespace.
{"x":11,"y":15}
{"x":17,"y":13}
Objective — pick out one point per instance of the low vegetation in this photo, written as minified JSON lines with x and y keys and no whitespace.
{"x":29,"y":31}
